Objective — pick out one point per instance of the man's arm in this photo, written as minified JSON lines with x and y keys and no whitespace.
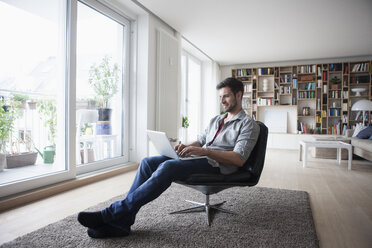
{"x":199,"y":143}
{"x":244,"y":145}
{"x":224,"y":157}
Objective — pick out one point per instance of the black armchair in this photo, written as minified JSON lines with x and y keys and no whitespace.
{"x":210,"y":184}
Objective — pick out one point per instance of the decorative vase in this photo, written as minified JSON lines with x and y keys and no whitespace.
{"x":31,"y":105}
{"x":90,"y":156}
{"x":104,"y":114}
{"x":103,"y":128}
{"x":306,"y":111}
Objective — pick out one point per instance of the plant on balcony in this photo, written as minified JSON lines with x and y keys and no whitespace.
{"x":20,"y":100}
{"x":7,"y":117}
{"x":48,"y":112}
{"x":182,"y":131}
{"x":185,"y":122}
{"x":8,"y":113}
{"x":104,"y":79}
{"x":32,"y":104}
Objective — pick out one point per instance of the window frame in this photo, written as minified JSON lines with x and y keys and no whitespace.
{"x":72,"y":171}
{"x":184,"y":97}
{"x":109,"y":13}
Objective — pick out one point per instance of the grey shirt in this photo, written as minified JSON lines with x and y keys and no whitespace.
{"x":239,"y":134}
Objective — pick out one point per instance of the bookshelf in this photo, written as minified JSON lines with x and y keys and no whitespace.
{"x":265,"y":87}
{"x":335,"y":98}
{"x":306,"y":95}
{"x":323,"y":94}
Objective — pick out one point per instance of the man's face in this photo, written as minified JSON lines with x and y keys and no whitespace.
{"x":228,"y":99}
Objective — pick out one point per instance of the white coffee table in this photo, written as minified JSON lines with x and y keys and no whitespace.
{"x":304,"y":145}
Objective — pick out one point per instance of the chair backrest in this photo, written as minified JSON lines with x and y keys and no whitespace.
{"x":256,"y":160}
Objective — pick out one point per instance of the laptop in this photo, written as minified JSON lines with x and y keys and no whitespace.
{"x":164,"y":147}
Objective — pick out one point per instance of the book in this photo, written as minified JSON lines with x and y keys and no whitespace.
{"x":357,"y":116}
{"x":344,"y":106}
{"x":294,"y":83}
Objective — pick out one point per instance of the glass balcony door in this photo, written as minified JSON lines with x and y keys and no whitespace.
{"x":51,"y":128}
{"x":33,"y":94}
{"x":101,"y":97}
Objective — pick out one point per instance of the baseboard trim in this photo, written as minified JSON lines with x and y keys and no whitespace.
{"x":44,"y":192}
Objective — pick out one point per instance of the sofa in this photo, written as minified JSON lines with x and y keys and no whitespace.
{"x":361,"y":147}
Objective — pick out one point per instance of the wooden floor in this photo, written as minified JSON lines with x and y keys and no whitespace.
{"x":341,"y":200}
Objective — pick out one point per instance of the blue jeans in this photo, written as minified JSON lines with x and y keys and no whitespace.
{"x":153,"y":177}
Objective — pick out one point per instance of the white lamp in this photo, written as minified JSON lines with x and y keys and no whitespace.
{"x":86,"y":116}
{"x":362,"y":105}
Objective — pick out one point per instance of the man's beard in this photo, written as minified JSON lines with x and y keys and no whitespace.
{"x":232,"y":106}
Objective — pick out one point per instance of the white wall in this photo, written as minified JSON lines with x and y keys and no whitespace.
{"x":146,"y":83}
{"x":167,"y":83}
{"x":144,"y":114}
{"x":291,"y":116}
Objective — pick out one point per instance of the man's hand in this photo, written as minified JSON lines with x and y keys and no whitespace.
{"x":187,"y":151}
{"x":178,"y":148}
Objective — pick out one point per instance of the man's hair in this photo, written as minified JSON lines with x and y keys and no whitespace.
{"x":234,"y":84}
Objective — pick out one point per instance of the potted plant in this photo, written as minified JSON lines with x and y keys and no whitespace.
{"x":7,"y":117}
{"x":104,"y":79}
{"x":6,"y":127}
{"x":18,"y":158}
{"x":20,"y":100}
{"x":185,"y":124}
{"x":13,"y":157}
{"x":48,"y":111}
{"x":32,"y":104}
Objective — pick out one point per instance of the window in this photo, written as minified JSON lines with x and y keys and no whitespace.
{"x":99,"y":87}
{"x":32,"y":88}
{"x":39,"y":81}
{"x":190,"y":101}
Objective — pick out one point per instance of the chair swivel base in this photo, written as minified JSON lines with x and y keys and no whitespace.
{"x":201,"y":207}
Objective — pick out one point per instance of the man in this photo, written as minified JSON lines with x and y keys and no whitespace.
{"x":227,"y":142}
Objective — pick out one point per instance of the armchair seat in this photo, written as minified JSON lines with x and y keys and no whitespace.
{"x":209,"y":184}
{"x":242,"y":176}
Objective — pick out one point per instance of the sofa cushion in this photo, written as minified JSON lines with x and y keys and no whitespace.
{"x":359,"y":127}
{"x":365,"y":133}
{"x":365,"y":144}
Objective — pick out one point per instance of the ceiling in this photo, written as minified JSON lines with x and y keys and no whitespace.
{"x":246,"y":31}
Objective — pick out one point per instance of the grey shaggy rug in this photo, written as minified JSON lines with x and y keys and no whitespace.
{"x":267,"y":218}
